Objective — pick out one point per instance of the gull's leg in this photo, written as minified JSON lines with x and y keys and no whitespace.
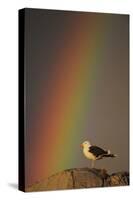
{"x":92,"y":164}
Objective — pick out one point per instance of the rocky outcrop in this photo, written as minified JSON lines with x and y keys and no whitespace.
{"x":81,"y":178}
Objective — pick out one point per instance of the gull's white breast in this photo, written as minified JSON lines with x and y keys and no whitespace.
{"x":88,"y":154}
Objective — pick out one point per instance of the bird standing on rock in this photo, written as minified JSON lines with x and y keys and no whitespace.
{"x":94,"y":152}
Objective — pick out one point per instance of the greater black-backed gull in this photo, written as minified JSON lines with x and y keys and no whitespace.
{"x":94,"y":152}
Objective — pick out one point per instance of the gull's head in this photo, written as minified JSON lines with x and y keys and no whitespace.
{"x":85,"y":144}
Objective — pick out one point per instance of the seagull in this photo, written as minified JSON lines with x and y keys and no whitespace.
{"x":94,"y":152}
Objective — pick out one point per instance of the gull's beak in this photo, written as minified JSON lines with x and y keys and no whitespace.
{"x":81,"y":145}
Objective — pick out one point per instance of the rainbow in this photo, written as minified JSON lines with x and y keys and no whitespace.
{"x":63,"y":121}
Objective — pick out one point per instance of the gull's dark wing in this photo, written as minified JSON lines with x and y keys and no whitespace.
{"x":97,"y":151}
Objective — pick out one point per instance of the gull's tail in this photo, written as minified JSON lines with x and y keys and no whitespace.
{"x":109,"y":154}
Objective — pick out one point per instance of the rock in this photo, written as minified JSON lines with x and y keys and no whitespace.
{"x":81,"y":178}
{"x":118,"y":179}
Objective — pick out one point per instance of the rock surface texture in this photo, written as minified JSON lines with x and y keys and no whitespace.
{"x":81,"y":178}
